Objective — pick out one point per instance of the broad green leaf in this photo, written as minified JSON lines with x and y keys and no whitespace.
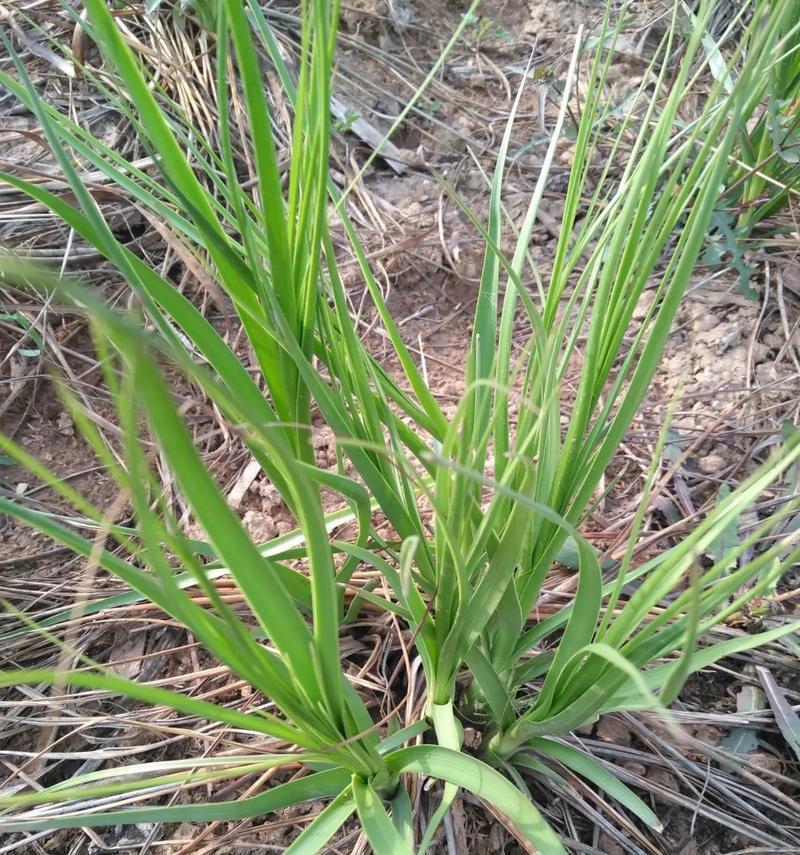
{"x":482,"y":781}
{"x":380,"y":831}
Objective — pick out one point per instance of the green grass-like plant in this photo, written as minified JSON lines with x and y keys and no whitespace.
{"x":769,"y":150}
{"x":763,"y":180}
{"x":480,"y":504}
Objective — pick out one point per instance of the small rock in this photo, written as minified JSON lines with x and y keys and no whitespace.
{"x":401,"y":14}
{"x":769,"y":763}
{"x":761,"y":352}
{"x":730,"y":338}
{"x":260,"y":526}
{"x":641,"y":309}
{"x":284,"y":524}
{"x":474,"y":181}
{"x":705,"y":322}
{"x":133,"y":836}
{"x":567,"y":155}
{"x":467,"y":125}
{"x":722,"y":450}
{"x":65,"y":424}
{"x":270,"y":495}
{"x":769,"y":374}
{"x":185,"y":831}
{"x":469,"y":265}
{"x":708,"y":734}
{"x":711,"y":464}
{"x":609,"y":846}
{"x":635,"y":769}
{"x":611,"y":729}
{"x":472,"y":738}
{"x":666,"y":780}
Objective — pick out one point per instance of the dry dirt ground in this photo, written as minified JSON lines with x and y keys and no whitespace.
{"x":733,"y":362}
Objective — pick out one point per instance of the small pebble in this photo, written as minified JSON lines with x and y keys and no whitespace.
{"x":260,"y":526}
{"x":712,"y":464}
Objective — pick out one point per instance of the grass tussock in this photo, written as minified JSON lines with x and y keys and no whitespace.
{"x":479,"y":505}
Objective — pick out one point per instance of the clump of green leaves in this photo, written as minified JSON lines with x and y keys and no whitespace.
{"x":767,"y":152}
{"x":765,"y":162}
{"x":505,"y":496}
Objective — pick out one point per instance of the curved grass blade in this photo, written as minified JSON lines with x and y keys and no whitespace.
{"x":315,"y":837}
{"x":483,"y":781}
{"x":593,"y":771}
{"x":319,"y":785}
